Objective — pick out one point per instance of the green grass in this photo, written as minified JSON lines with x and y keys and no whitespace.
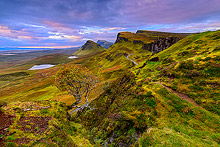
{"x":128,"y":106}
{"x":89,"y":48}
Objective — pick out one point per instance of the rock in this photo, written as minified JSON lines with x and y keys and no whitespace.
{"x":120,"y":39}
{"x":160,"y":44}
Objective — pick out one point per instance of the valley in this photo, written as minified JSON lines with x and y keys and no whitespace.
{"x":155,"y":89}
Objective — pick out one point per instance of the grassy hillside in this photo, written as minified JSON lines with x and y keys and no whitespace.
{"x":10,"y":67}
{"x":171,"y":102}
{"x":146,"y":114}
{"x":170,"y":98}
{"x":89,"y":48}
{"x":114,"y":62}
{"x":19,"y":84}
{"x":42,"y":123}
{"x":192,"y":67}
{"x":156,"y":34}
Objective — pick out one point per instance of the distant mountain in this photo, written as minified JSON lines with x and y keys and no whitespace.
{"x":171,"y":98}
{"x":90,"y":47}
{"x":105,"y":43}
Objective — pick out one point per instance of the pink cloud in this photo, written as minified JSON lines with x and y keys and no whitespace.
{"x":14,"y":34}
{"x":193,"y":27}
{"x":58,"y":27}
{"x":166,"y":12}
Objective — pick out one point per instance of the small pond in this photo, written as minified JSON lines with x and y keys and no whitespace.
{"x":43,"y":66}
{"x":72,"y":57}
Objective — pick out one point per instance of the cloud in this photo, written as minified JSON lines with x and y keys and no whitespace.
{"x":72,"y":21}
{"x":14,"y":34}
{"x":65,"y":37}
{"x":190,"y":28}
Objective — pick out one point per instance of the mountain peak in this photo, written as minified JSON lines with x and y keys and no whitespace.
{"x":90,"y":47}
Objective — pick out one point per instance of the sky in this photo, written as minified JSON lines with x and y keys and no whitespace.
{"x":70,"y":23}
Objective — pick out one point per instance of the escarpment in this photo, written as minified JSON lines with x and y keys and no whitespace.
{"x":160,"y":44}
{"x":149,"y":40}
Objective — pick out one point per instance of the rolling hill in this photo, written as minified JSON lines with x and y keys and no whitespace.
{"x":173,"y":101}
{"x":170,"y":98}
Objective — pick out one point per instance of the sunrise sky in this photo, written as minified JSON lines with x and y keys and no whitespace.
{"x":66,"y":23}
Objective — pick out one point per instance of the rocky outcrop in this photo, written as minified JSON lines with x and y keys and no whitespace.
{"x":155,"y":46}
{"x":120,"y":38}
{"x":160,"y":44}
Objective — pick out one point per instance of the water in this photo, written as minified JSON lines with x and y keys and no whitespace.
{"x":72,"y":57}
{"x":43,"y":66}
{"x":8,"y":54}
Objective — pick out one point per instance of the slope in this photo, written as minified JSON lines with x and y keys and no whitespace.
{"x":113,"y":62}
{"x":136,"y":110}
{"x":192,"y":67}
{"x":42,"y":123}
{"x":89,"y":47}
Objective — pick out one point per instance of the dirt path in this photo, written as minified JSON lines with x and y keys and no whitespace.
{"x":131,"y":60}
{"x":182,"y":96}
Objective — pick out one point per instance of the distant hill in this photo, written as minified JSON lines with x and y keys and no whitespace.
{"x":21,"y":56}
{"x":166,"y":100}
{"x":90,"y":47}
{"x":105,"y":43}
{"x":50,"y":59}
{"x":170,"y":98}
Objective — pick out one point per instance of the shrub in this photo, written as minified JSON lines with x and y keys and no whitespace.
{"x":167,"y":60}
{"x":186,"y":65}
{"x":10,"y":144}
{"x":198,"y":101}
{"x":184,"y":53}
{"x":151,"y":102}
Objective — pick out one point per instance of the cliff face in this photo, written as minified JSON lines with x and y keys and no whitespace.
{"x":151,"y":43}
{"x":160,"y":44}
{"x":120,"y":38}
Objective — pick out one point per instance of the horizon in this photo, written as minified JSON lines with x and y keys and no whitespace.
{"x":70,"y":23}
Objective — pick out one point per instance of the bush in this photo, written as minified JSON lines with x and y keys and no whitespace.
{"x":151,"y":102}
{"x":198,"y":101}
{"x":145,"y":141}
{"x":167,"y":60}
{"x":186,"y":65}
{"x":10,"y":144}
{"x":184,"y":53}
